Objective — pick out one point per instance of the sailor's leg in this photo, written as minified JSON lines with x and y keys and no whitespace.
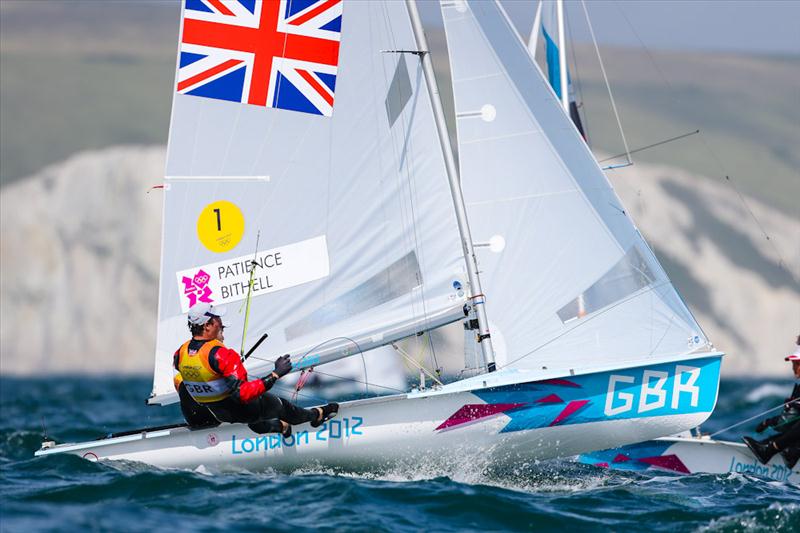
{"x":266,"y":426}
{"x":294,"y":414}
{"x":272,"y":407}
{"x":789,"y":438}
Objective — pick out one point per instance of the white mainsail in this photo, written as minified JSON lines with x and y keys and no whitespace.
{"x":576,"y":286}
{"x":358,"y":237}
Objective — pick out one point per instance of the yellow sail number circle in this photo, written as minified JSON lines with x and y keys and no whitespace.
{"x":220,"y":226}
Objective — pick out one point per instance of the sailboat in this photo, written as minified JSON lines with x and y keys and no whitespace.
{"x":691,"y":454}
{"x":318,"y":126}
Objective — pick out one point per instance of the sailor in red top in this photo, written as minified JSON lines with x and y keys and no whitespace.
{"x":216,"y":387}
{"x":786,"y":424}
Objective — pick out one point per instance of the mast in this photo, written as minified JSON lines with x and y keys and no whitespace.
{"x":478,"y":298}
{"x":562,"y":57}
{"x":533,"y":40}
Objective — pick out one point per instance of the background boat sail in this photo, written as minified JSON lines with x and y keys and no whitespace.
{"x":329,"y":148}
{"x":550,"y":22}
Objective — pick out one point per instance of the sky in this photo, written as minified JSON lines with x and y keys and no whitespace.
{"x":751,"y":26}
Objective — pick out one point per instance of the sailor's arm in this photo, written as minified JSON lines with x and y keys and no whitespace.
{"x":282,"y":367}
{"x":228,"y":363}
{"x":177,"y":378}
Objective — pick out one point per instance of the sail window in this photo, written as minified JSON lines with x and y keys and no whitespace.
{"x":629,"y":275}
{"x":399,"y":278}
{"x":399,"y":91}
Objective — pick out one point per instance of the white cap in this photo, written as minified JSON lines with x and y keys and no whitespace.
{"x":201,"y":313}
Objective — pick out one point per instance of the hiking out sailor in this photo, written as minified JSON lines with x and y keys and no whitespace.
{"x":217,"y":386}
{"x":786,"y":424}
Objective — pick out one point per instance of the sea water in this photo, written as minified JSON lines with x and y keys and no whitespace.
{"x":69,"y":493}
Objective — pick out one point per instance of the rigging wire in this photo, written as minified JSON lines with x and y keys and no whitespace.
{"x":344,"y":378}
{"x":577,"y":81}
{"x":605,"y":78}
{"x":737,"y":424}
{"x":305,"y":394}
{"x":659,"y":143}
{"x":405,"y":178}
{"x":436,"y":367}
{"x":782,"y":264}
{"x":415,"y":363}
{"x":246,"y":303}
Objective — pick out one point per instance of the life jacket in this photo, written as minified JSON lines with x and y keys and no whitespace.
{"x":203,"y":384}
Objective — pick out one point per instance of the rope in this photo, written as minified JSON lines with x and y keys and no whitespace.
{"x":659,"y":143}
{"x":301,"y":382}
{"x":605,"y":78}
{"x":782,"y":264}
{"x":358,"y":347}
{"x":416,"y":364}
{"x":749,"y":419}
{"x":577,"y":83}
{"x":249,"y":294}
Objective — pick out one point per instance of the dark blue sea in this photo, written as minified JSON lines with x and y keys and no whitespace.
{"x":67,"y":493}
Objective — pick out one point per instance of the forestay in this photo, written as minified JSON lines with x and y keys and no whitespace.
{"x":576,"y":286}
{"x":301,"y":121}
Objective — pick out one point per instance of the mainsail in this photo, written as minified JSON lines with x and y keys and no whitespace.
{"x":309,"y":123}
{"x":575,"y":286}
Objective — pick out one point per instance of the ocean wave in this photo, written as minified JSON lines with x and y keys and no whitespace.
{"x":767,"y":390}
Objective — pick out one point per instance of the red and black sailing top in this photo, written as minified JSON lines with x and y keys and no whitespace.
{"x":212,"y":372}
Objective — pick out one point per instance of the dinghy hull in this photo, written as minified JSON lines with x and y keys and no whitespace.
{"x":692,"y":455}
{"x":501,"y":419}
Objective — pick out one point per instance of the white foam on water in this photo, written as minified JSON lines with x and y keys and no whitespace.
{"x":767,"y":390}
{"x":534,"y":477}
{"x":776,"y":517}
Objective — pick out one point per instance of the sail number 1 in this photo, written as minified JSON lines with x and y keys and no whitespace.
{"x":219,"y":221}
{"x":220,"y":226}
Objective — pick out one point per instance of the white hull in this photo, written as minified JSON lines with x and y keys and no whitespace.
{"x":692,"y":455}
{"x":505,"y":422}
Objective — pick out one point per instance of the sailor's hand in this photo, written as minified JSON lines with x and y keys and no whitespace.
{"x":283,"y":365}
{"x":762,"y":426}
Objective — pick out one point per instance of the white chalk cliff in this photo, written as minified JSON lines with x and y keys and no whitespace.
{"x":81,"y":240}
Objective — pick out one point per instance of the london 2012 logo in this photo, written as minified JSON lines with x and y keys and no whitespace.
{"x":196,"y":288}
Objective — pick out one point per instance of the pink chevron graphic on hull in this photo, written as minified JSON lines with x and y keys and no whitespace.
{"x":553,"y":398}
{"x":471,"y":412}
{"x":562,"y":382}
{"x":569,"y":410}
{"x":669,"y":462}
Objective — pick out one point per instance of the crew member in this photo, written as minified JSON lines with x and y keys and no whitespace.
{"x":216,"y":381}
{"x":787,"y":424}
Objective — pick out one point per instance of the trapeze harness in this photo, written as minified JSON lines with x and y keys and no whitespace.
{"x":203,"y":383}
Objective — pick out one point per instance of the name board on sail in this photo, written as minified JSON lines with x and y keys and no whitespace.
{"x":275,"y":269}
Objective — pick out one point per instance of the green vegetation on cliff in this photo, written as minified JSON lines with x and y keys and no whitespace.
{"x":85,"y":74}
